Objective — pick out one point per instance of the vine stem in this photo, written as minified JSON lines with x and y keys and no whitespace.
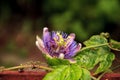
{"x":94,"y":46}
{"x":118,"y":66}
{"x":94,"y":78}
{"x":102,"y":74}
{"x":29,"y":66}
{"x":99,"y":77}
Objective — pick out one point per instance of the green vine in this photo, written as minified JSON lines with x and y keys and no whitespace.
{"x":94,"y":46}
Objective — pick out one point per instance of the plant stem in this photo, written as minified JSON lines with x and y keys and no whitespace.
{"x":102,"y":75}
{"x":94,"y":78}
{"x":94,"y":46}
{"x":116,"y":67}
{"x":28,"y":66}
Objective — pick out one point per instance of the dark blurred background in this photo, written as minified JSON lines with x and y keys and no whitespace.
{"x":22,"y":20}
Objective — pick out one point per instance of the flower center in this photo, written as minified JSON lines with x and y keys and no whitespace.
{"x":59,"y":40}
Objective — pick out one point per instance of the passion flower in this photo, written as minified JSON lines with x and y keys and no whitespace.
{"x":57,"y":44}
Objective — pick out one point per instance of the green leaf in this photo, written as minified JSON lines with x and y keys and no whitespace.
{"x":57,"y":74}
{"x":105,"y":63}
{"x":95,"y":40}
{"x":87,"y":59}
{"x":114,"y":45}
{"x":65,"y":72}
{"x":95,"y":52}
{"x":85,"y":75}
{"x":76,"y":72}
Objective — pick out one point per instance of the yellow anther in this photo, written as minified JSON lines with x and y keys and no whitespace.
{"x":60,"y":41}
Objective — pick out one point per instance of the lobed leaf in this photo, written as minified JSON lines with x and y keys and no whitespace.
{"x":85,"y":74}
{"x":95,"y":40}
{"x":68,"y":72}
{"x":87,"y":59}
{"x":115,"y":45}
{"x":105,"y":63}
{"x":96,"y":53}
{"x":57,"y":74}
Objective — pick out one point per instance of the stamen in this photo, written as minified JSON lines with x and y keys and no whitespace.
{"x":60,"y":40}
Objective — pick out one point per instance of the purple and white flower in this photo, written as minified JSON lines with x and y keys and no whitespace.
{"x":58,"y":44}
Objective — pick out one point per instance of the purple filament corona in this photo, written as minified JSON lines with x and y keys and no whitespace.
{"x":58,"y":44}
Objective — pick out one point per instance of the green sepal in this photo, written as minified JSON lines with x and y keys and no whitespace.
{"x":56,"y":61}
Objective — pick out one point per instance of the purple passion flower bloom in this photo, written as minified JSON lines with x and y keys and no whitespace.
{"x":58,"y":44}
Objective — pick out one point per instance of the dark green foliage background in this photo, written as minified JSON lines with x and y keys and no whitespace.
{"x":22,"y":20}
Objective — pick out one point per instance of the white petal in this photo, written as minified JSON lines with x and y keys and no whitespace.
{"x":40,"y":41}
{"x":46,"y":34}
{"x":40,"y":45}
{"x":45,"y":29}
